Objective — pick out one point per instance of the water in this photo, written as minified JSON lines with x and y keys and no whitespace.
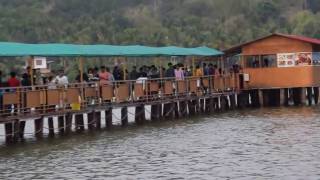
{"x":281,"y":143}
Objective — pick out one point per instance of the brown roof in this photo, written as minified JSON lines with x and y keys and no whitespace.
{"x":299,"y":38}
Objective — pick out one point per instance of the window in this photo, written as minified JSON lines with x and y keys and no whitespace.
{"x":269,"y":60}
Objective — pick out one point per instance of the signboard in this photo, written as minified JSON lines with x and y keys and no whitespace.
{"x":286,"y":60}
{"x":316,"y":58}
{"x":303,"y":59}
{"x":40,"y":63}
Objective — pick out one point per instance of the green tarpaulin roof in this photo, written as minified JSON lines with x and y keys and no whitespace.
{"x":8,"y":49}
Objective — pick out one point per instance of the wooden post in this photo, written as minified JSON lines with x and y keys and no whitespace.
{"x":9,"y":132}
{"x":303,"y":96}
{"x":124,"y":116}
{"x":192,"y":107}
{"x":108,"y":117}
{"x":51,"y":127}
{"x":68,"y":128}
{"x":316,"y":95}
{"x":97,"y":117}
{"x":309,"y":95}
{"x":61,"y":125}
{"x":156,"y":112}
{"x":140,"y":117}
{"x":232,"y":101}
{"x":22,"y":126}
{"x":261,"y":99}
{"x":91,"y":121}
{"x":79,"y":123}
{"x":183,"y":110}
{"x":38,"y":126}
{"x":16,"y":129}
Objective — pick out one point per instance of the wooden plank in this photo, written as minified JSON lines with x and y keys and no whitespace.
{"x":11,"y":98}
{"x":107,"y":92}
{"x":122,"y":92}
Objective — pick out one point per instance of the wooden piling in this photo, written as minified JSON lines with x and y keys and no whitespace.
{"x":51,"y":126}
{"x":9,"y":132}
{"x":91,"y":121}
{"x":140,"y":116}
{"x":38,"y":127}
{"x":61,"y":125}
{"x":176,"y":110}
{"x":232,"y":101}
{"x":68,"y":127}
{"x":108,"y":117}
{"x":16,"y":129}
{"x":124,"y":116}
{"x":223,"y":103}
{"x":22,"y":125}
{"x":155,"y":112}
{"x":192,"y":107}
{"x":79,"y":121}
{"x":255,"y":98}
{"x":309,"y":95}
{"x":183,"y":108}
{"x":97,"y":117}
{"x":316,"y":95}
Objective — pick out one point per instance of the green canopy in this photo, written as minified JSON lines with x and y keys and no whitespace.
{"x":8,"y":49}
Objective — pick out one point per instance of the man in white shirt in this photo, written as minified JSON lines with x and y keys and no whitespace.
{"x":62,"y":79}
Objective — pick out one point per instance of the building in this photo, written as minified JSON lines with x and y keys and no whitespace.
{"x":278,"y":61}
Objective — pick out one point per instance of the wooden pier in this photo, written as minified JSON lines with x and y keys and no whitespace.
{"x":168,"y":98}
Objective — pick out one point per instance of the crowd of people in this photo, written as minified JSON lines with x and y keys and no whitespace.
{"x":104,"y":75}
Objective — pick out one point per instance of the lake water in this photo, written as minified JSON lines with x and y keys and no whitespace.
{"x":279,"y":143}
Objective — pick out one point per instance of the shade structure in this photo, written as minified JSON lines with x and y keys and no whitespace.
{"x":9,"y":49}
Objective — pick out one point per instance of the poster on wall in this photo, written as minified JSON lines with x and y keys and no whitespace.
{"x":303,"y":59}
{"x":316,"y":58}
{"x":40,"y":63}
{"x":286,"y":59}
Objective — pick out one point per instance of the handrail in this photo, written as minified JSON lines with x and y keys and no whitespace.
{"x":46,"y":99}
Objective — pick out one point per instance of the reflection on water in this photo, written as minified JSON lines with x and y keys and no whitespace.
{"x":276,"y":143}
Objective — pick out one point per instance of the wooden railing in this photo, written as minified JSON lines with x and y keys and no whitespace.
{"x":49,"y":100}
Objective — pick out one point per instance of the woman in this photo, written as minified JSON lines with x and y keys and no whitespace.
{"x":103,"y":76}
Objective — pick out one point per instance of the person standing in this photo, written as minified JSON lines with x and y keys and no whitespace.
{"x":13,"y":81}
{"x":103,"y":76}
{"x":170,"y":71}
{"x":62,"y":79}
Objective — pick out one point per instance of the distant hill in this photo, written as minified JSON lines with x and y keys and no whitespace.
{"x":215,"y":23}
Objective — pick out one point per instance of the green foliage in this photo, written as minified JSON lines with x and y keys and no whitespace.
{"x":215,"y":23}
